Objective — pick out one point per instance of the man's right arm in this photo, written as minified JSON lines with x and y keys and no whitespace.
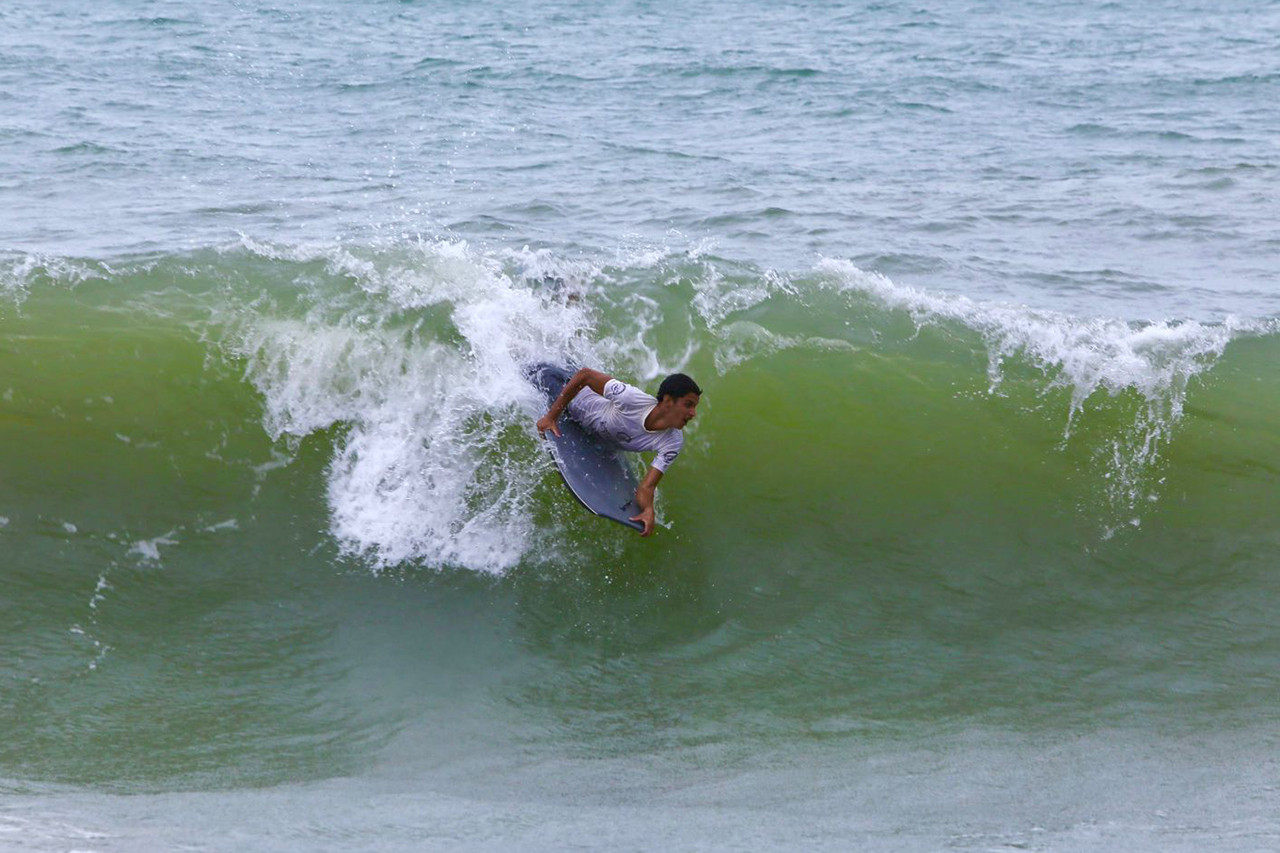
{"x":584,"y":378}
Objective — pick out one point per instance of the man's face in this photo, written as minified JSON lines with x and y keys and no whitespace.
{"x":686,"y":408}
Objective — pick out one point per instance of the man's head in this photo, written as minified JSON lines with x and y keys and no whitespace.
{"x":677,"y":385}
{"x":678,"y":397}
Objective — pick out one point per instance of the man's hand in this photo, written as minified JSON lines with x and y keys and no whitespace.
{"x":546,"y":422}
{"x":644,"y":499}
{"x":646,"y":518}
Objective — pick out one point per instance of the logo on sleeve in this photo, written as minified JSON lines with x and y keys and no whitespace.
{"x":670,"y":456}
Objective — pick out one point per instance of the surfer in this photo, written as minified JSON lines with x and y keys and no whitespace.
{"x":633,"y":420}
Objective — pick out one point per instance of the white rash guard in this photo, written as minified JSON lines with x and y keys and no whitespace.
{"x":619,"y":416}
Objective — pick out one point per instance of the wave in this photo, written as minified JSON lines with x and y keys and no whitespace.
{"x":404,"y":362}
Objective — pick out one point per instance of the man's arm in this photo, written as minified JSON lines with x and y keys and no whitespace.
{"x":584,"y":378}
{"x":644,"y":499}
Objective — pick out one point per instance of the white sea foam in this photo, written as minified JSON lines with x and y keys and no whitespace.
{"x":423,"y":470}
{"x":149,"y":549}
{"x":717,"y":298}
{"x":1155,"y":361}
{"x":1086,"y":355}
{"x":18,"y":271}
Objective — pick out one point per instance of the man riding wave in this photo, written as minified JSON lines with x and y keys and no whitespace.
{"x":631,"y":419}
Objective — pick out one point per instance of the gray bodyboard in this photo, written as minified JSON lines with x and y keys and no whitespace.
{"x":594,"y":470}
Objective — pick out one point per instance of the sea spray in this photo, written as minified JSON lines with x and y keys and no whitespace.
{"x":19,"y":271}
{"x":1144,"y":369}
{"x":422,"y":377}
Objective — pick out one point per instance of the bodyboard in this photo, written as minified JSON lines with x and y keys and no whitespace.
{"x":595,"y":471}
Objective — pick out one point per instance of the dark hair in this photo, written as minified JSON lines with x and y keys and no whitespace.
{"x":678,"y":385}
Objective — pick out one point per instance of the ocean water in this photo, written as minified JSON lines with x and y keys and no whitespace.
{"x":973,"y":544}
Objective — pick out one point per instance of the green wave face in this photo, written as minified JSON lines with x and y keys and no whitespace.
{"x":235,"y":481}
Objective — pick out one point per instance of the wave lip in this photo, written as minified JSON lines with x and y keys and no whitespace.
{"x":1152,"y":364}
{"x":1086,"y":355}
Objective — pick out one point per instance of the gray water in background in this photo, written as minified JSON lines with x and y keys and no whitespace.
{"x":1113,"y":159}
